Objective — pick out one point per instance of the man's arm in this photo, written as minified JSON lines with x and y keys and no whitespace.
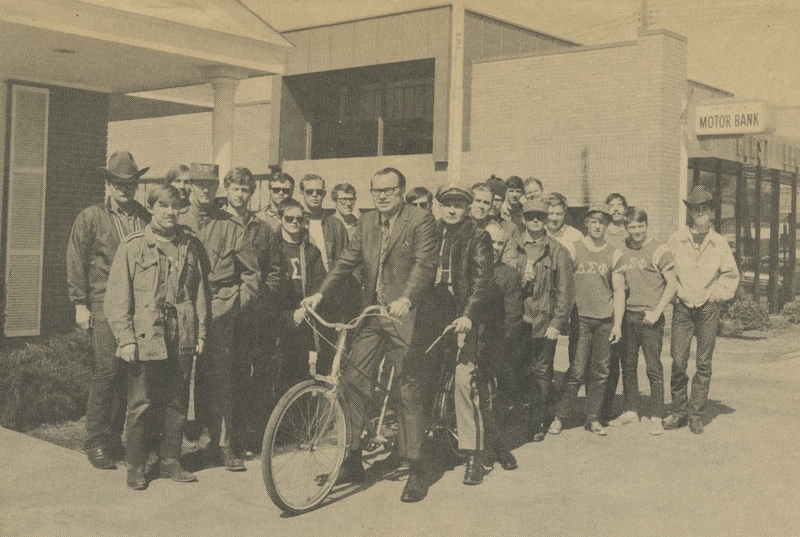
{"x":78,"y":247}
{"x":513,"y":303}
{"x":565,"y":292}
{"x":424,"y":254}
{"x":250,"y":285}
{"x":618,"y":286}
{"x":118,"y":305}
{"x":482,"y":271}
{"x":725,"y":287}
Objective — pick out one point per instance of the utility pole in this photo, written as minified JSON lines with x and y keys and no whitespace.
{"x":644,"y":18}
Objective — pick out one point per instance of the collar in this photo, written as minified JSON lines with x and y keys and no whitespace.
{"x":151,"y":239}
{"x":685,"y":235}
{"x":249,"y":215}
{"x":536,"y":242}
{"x":589,"y":243}
{"x":628,"y":243}
{"x":114,"y":207}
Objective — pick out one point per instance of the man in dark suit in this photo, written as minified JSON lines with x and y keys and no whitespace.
{"x":395,"y":249}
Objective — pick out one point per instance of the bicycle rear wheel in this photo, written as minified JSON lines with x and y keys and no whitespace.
{"x":304,"y":447}
{"x":443,"y":426}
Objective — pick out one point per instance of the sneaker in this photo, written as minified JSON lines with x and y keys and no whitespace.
{"x":624,"y":419}
{"x":595,"y":428}
{"x":656,"y":426}
{"x":555,"y":427}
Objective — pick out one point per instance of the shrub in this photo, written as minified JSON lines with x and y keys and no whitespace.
{"x":791,"y":311}
{"x":44,"y":380}
{"x":729,"y":327}
{"x":751,"y":315}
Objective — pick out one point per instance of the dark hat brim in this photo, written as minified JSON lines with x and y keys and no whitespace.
{"x":107,"y":174}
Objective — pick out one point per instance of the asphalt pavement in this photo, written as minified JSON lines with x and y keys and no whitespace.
{"x":740,"y":477}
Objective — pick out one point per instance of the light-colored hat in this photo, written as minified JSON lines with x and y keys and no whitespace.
{"x":204,"y":172}
{"x":534,"y":206}
{"x":598,"y":208}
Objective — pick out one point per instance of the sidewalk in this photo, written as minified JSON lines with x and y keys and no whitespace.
{"x":738,"y":478}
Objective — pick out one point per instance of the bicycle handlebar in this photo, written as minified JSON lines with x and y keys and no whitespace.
{"x":381,"y":311}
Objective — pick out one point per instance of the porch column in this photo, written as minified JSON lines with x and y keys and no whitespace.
{"x":224,"y":80}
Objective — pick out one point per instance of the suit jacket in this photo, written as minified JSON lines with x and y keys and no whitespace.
{"x":409,"y":264}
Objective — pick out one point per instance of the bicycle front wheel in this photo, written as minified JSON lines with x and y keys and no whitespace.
{"x":304,"y":447}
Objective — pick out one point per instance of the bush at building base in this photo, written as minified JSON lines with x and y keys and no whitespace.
{"x":791,"y":311}
{"x":44,"y":380}
{"x":749,"y":314}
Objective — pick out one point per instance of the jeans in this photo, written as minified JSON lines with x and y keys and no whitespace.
{"x":650,"y":339}
{"x":105,"y":408}
{"x":616,"y":364}
{"x":700,"y":322}
{"x":538,"y":373}
{"x":592,"y":356}
{"x":158,"y":397}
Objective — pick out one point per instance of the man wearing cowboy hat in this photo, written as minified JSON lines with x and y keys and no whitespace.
{"x":707,"y":275}
{"x":95,"y":237}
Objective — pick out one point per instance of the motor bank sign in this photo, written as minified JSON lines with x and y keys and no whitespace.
{"x":730,"y":118}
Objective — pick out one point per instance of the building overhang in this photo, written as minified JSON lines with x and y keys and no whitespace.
{"x":84,"y":45}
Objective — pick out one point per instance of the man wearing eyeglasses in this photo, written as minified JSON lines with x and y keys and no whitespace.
{"x":235,"y":282}
{"x":325,"y":231}
{"x":281,"y":187}
{"x":344,"y":195}
{"x":420,"y":197}
{"x":395,"y":249}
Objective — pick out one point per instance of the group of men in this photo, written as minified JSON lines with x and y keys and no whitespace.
{"x":226,"y":287}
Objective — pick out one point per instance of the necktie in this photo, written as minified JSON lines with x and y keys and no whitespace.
{"x":384,"y":243}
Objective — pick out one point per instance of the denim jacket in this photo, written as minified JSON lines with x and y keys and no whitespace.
{"x":136,"y":294}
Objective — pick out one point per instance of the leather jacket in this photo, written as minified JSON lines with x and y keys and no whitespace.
{"x":472,"y":268}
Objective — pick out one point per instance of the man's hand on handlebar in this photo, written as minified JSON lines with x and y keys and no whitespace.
{"x":312,"y":301}
{"x":399,"y":307}
{"x":462,"y":325}
{"x":299,"y":315}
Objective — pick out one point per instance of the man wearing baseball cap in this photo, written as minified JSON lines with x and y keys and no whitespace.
{"x":236,"y":288}
{"x":600,"y":300}
{"x":548,"y":293}
{"x":707,"y":275}
{"x":95,"y":237}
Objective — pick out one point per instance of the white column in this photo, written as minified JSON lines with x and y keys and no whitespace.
{"x":224,"y":80}
{"x":455,"y":134}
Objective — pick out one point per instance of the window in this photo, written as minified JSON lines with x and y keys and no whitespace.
{"x":369,"y":111}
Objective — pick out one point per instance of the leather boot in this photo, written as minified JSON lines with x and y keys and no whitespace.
{"x":172,"y":468}
{"x":352,"y":470}
{"x":136,"y":477}
{"x":230,"y":460}
{"x":474,"y":473}
{"x":416,"y":487}
{"x":505,"y":458}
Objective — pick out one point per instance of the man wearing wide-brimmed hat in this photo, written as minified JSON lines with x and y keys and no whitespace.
{"x":95,"y":237}
{"x":707,"y":275}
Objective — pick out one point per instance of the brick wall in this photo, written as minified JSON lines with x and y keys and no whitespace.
{"x":76,"y":147}
{"x":587,"y":122}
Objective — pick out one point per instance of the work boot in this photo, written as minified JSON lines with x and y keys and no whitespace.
{"x":230,"y":460}
{"x":505,"y":458}
{"x":172,"y":468}
{"x":136,"y":477}
{"x":474,"y":472}
{"x":416,"y":487}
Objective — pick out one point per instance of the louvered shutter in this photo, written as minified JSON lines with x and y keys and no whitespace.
{"x":26,"y":199}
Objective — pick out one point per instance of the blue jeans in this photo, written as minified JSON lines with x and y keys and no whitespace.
{"x":700,"y":322}
{"x":105,"y":408}
{"x":650,"y":340}
{"x":592,"y":357}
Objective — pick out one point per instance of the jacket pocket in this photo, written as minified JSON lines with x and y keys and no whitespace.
{"x":145,"y":274}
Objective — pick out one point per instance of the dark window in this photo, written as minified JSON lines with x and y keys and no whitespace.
{"x":368,"y":111}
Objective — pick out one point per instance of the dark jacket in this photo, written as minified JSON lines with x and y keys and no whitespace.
{"x":335,"y":235}
{"x":92,"y":245}
{"x":267,"y":245}
{"x":408,"y":264}
{"x":550,"y":293}
{"x":312,"y":273}
{"x":505,"y":308}
{"x":472,"y":268}
{"x":137,"y":294}
{"x":233,"y":275}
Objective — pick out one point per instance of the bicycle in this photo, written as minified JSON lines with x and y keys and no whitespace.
{"x":305,"y":441}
